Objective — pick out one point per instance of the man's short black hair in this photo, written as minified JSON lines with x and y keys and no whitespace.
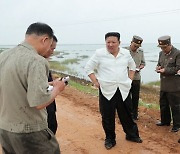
{"x":55,"y":38}
{"x":40,"y":29}
{"x":116,"y":34}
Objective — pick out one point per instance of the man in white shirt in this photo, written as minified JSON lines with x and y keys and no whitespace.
{"x":115,"y":70}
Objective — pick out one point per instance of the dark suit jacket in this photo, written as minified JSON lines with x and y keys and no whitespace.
{"x":171,"y":62}
{"x":52,"y":106}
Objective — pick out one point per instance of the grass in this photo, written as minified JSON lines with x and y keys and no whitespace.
{"x":56,"y":53}
{"x":58,"y":66}
{"x":149,"y":105}
{"x":70,"y":61}
{"x":155,"y":83}
{"x":149,"y":95}
{"x":84,"y":88}
{"x":84,"y":56}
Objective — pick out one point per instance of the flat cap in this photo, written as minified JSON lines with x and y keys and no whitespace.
{"x":137,"y":40}
{"x":164,"y":41}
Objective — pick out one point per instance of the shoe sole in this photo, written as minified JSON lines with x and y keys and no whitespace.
{"x":109,"y":147}
{"x":131,"y":140}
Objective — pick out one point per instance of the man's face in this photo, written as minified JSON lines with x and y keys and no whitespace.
{"x":112,"y":44}
{"x":166,"y":49}
{"x":45,"y":45}
{"x":51,"y":50}
{"x":134,"y":46}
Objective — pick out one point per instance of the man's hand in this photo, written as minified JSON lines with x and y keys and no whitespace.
{"x":96,"y":84}
{"x":161,"y":70}
{"x":59,"y":85}
{"x":141,"y":67}
{"x":158,"y":68}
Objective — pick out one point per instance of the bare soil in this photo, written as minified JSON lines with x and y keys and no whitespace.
{"x":80,"y":130}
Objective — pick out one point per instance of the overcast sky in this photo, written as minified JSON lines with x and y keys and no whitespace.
{"x":87,"y":21}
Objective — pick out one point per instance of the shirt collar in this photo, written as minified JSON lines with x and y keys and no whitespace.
{"x":168,"y":53}
{"x":27,"y":45}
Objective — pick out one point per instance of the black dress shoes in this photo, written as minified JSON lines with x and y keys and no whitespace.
{"x":175,"y":129}
{"x":109,"y":143}
{"x":163,"y":124}
{"x":137,"y":139}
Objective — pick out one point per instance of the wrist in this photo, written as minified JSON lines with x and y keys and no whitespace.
{"x":95,"y":81}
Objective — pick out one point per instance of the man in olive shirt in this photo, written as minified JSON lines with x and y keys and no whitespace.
{"x":168,"y":65}
{"x":24,"y":94}
{"x":138,"y":57}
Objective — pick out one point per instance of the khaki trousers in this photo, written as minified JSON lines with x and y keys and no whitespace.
{"x":41,"y":142}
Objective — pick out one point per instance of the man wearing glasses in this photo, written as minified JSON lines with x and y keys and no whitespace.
{"x":168,"y":65}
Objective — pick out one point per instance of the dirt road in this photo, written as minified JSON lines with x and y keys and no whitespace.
{"x":80,"y":130}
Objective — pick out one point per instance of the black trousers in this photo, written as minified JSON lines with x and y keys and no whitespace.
{"x":52,"y":122}
{"x":134,"y":92}
{"x":170,"y":102}
{"x":108,"y":109}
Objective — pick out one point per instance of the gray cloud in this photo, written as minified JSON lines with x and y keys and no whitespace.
{"x":86,"y":21}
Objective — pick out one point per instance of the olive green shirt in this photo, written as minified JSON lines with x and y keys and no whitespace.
{"x":23,"y":86}
{"x":138,"y":57}
{"x":170,"y":82}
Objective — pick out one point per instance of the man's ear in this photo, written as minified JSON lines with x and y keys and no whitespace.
{"x":44,"y":39}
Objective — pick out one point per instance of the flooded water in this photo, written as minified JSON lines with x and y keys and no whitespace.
{"x":82,"y":53}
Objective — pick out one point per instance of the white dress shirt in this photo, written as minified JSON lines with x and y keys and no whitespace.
{"x":112,"y":72}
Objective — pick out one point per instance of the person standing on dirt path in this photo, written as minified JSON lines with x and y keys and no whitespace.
{"x":24,"y":94}
{"x":138,"y":57}
{"x":51,"y":109}
{"x":168,"y":65}
{"x":112,"y":69}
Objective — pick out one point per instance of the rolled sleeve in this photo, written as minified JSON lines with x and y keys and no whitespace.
{"x":131,"y":64}
{"x":91,"y":64}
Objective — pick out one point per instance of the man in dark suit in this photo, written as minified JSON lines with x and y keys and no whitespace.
{"x":168,"y":65}
{"x":51,"y":109}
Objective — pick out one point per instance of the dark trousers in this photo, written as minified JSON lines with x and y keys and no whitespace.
{"x":170,"y":101}
{"x":108,"y":109}
{"x":52,"y":122}
{"x":134,"y":92}
{"x":41,"y":142}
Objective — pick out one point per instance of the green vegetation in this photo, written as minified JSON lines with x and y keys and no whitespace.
{"x":149,"y":95}
{"x":56,"y":53}
{"x":155,"y":83}
{"x":54,"y":65}
{"x":84,"y":88}
{"x":58,"y":66}
{"x":70,"y":61}
{"x":91,"y":90}
{"x":84,"y":56}
{"x":149,"y":105}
